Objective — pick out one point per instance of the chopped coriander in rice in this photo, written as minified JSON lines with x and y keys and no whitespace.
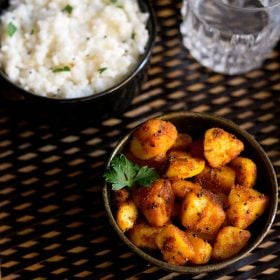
{"x":95,"y":32}
{"x":68,"y":9}
{"x":101,"y":70}
{"x":61,"y":69}
{"x":11,"y":29}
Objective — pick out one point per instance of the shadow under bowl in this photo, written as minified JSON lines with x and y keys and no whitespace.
{"x":195,"y":124}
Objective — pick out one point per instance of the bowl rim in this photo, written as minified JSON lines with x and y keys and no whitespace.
{"x":207,"y":267}
{"x":144,"y":58}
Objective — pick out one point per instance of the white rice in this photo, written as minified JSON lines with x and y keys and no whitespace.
{"x":71,"y":48}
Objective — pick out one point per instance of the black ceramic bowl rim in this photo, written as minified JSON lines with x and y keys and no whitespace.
{"x":213,"y":266}
{"x":140,"y":65}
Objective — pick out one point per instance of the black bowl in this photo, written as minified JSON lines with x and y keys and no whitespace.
{"x":195,"y":124}
{"x":112,"y":101}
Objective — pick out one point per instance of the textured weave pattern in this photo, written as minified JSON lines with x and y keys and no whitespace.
{"x":52,"y":220}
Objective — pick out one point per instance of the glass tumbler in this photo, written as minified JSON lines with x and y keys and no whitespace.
{"x":230,"y":36}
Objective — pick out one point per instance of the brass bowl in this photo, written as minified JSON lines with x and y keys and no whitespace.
{"x":196,"y":124}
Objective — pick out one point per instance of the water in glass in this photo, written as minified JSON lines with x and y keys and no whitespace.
{"x":230,"y":36}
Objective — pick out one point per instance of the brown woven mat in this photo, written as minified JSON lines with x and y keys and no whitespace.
{"x":52,"y":220}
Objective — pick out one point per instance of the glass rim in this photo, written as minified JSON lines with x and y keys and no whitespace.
{"x":249,"y":9}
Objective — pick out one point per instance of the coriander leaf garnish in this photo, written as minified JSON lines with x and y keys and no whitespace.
{"x":120,"y":173}
{"x":114,"y":1}
{"x":145,"y":176}
{"x":124,"y":173}
{"x":101,"y":70}
{"x":62,"y":69}
{"x":11,"y":29}
{"x":68,"y":9}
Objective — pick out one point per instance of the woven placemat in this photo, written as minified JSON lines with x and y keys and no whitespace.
{"x":52,"y":220}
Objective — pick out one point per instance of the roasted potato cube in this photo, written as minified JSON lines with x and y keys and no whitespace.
{"x":220,"y":147}
{"x":175,"y":154}
{"x":155,"y":202}
{"x":245,"y":206}
{"x":202,"y":249}
{"x":153,"y":138}
{"x":196,"y":148}
{"x":181,"y":187}
{"x":202,"y":212}
{"x":174,"y":245}
{"x":182,"y":165}
{"x":121,"y":196}
{"x":207,"y":237}
{"x":217,"y":179}
{"x":144,"y":236}
{"x":230,"y":241}
{"x":155,"y":162}
{"x":182,"y":142}
{"x":246,"y":171}
{"x":126,"y":215}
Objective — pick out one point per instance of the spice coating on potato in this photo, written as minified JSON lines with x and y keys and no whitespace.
{"x":202,"y":249}
{"x":144,"y":236}
{"x":246,"y":171}
{"x":156,"y":202}
{"x":174,"y":245}
{"x":220,"y":147}
{"x":182,"y":165}
{"x":217,"y":179}
{"x":202,"y":212}
{"x":153,"y":138}
{"x":126,"y":215}
{"x":245,"y":206}
{"x":230,"y":241}
{"x":181,"y":187}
